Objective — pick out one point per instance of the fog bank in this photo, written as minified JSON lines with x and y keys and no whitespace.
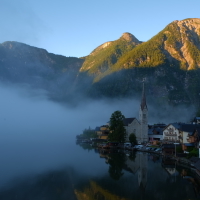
{"x":37,"y":135}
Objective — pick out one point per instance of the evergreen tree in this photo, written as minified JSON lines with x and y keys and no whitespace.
{"x":117,"y":130}
{"x":132,"y":138}
{"x":88,"y":133}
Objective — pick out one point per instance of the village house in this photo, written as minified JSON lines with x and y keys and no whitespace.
{"x":186,"y":134}
{"x":189,"y":135}
{"x":155,"y":132}
{"x":102,"y":132}
{"x":171,"y":133}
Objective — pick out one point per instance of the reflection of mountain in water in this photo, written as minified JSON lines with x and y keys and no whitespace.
{"x":96,"y":192}
{"x":132,"y":181}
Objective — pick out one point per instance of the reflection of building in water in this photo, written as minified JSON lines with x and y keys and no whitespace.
{"x":142,"y":173}
{"x":132,"y":165}
{"x":139,"y":165}
{"x":171,"y":171}
{"x":170,"y":166}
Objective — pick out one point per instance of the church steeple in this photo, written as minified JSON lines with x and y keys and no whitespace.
{"x":143,"y":100}
{"x":143,"y":117}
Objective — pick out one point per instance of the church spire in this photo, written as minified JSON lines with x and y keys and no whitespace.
{"x":143,"y":100}
{"x":143,"y":117}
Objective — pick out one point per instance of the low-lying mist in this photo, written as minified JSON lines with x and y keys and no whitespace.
{"x":37,"y":134}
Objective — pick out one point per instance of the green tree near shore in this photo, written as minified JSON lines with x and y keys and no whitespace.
{"x":132,"y":138}
{"x":117,"y":130}
{"x":87,"y":134}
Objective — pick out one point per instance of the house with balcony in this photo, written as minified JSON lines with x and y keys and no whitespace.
{"x":186,"y":134}
{"x":102,"y":132}
{"x":171,"y":133}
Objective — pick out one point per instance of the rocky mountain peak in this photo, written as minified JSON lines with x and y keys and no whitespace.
{"x":130,"y":38}
{"x":191,"y":23}
{"x":186,"y":45}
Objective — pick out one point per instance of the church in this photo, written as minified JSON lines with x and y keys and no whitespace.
{"x":138,"y":127}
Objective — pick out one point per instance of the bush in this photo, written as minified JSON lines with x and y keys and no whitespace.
{"x":194,"y":152}
{"x":132,"y":138}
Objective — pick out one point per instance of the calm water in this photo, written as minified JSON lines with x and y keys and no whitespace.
{"x":39,"y":159}
{"x":80,"y":172}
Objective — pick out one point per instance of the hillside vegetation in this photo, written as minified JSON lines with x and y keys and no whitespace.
{"x":178,"y":43}
{"x":169,"y":62}
{"x":108,"y":54}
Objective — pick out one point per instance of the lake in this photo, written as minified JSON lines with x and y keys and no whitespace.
{"x":40,"y":160}
{"x":66,"y":170}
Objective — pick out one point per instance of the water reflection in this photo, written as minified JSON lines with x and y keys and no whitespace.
{"x":96,"y":192}
{"x":167,"y":178}
{"x":122,"y":176}
{"x":116,"y":163}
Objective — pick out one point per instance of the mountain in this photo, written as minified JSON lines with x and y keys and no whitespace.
{"x":169,"y":62}
{"x":21,"y":63}
{"x":178,"y":43}
{"x":108,"y":54}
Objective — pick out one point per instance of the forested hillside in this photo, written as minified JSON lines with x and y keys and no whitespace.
{"x":169,"y":62}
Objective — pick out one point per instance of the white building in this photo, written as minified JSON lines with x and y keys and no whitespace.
{"x":132,"y":125}
{"x":171,"y":133}
{"x":138,"y":127}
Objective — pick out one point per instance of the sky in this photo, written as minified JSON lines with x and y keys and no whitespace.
{"x":75,"y":28}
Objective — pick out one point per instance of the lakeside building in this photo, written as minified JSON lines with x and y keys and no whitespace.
{"x":155,"y":132}
{"x":138,"y":127}
{"x":171,"y":133}
{"x":102,"y":132}
{"x":188,"y":135}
